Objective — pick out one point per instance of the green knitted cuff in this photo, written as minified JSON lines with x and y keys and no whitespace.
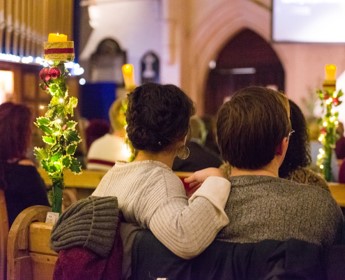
{"x":90,"y":223}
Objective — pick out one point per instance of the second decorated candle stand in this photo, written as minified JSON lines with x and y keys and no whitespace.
{"x":330,"y":99}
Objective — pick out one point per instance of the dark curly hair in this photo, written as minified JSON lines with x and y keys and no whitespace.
{"x":157,"y":116}
{"x":298,"y":153}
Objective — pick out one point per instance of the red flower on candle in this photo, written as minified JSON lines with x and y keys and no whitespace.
{"x":54,"y":73}
{"x":44,"y":74}
{"x":336,"y":101}
{"x":323,"y":130}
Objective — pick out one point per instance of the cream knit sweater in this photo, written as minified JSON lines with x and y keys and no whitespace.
{"x":152,"y":196}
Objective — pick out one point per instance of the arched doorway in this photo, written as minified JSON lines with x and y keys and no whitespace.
{"x":247,"y":59}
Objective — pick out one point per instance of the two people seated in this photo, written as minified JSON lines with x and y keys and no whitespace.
{"x":252,"y":206}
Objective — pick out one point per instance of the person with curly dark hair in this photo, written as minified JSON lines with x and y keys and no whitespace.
{"x":149,"y":194}
{"x":19,"y":178}
{"x":297,"y":160}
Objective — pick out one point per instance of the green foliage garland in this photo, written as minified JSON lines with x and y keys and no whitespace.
{"x":59,"y":131}
{"x":329,"y":122}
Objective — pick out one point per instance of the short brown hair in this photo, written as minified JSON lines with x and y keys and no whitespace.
{"x":251,"y":125}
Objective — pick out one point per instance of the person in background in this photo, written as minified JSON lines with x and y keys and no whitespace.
{"x":19,"y":177}
{"x":315,"y":146}
{"x":297,"y":160}
{"x":342,"y":173}
{"x":254,"y":131}
{"x":211,"y":141}
{"x":149,"y":194}
{"x":340,"y":144}
{"x":95,"y":129}
{"x":111,"y":147}
{"x":200,"y":156}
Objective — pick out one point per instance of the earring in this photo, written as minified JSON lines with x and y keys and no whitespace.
{"x":183,"y":152}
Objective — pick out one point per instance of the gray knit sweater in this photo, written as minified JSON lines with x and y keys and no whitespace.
{"x":263,"y":207}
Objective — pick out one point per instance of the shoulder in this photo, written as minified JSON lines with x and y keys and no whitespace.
{"x":165,"y":175}
{"x":100,"y":140}
{"x":164,"y":180}
{"x":309,"y":177}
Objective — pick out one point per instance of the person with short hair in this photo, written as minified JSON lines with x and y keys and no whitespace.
{"x":254,"y":131}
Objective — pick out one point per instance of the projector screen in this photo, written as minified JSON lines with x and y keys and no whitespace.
{"x":308,"y":21}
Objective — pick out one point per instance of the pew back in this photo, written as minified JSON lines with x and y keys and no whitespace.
{"x":77,"y":186}
{"x":3,"y":235}
{"x":29,"y":255}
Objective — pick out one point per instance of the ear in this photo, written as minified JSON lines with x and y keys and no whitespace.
{"x":282,"y":147}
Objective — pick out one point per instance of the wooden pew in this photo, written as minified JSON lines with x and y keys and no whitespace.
{"x":81,"y":184}
{"x":84,"y":184}
{"x":3,"y":235}
{"x":338,"y":193}
{"x":29,"y":256}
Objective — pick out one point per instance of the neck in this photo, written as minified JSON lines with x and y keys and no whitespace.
{"x":165,"y":157}
{"x":269,"y":170}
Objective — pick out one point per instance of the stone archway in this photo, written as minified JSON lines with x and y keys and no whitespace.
{"x":215,"y":27}
{"x":246,"y":59}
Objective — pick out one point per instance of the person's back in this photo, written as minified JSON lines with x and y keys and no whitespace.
{"x":95,"y":129}
{"x":18,"y":175}
{"x":211,"y":142}
{"x":200,"y":156}
{"x":105,"y":151}
{"x":264,"y":207}
{"x":253,"y":134}
{"x":111,"y":147}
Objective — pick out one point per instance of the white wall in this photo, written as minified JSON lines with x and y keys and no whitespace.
{"x":135,"y":25}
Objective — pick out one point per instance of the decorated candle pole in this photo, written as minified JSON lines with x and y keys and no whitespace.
{"x":330,"y":99}
{"x":59,"y":131}
{"x":128,"y":77}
